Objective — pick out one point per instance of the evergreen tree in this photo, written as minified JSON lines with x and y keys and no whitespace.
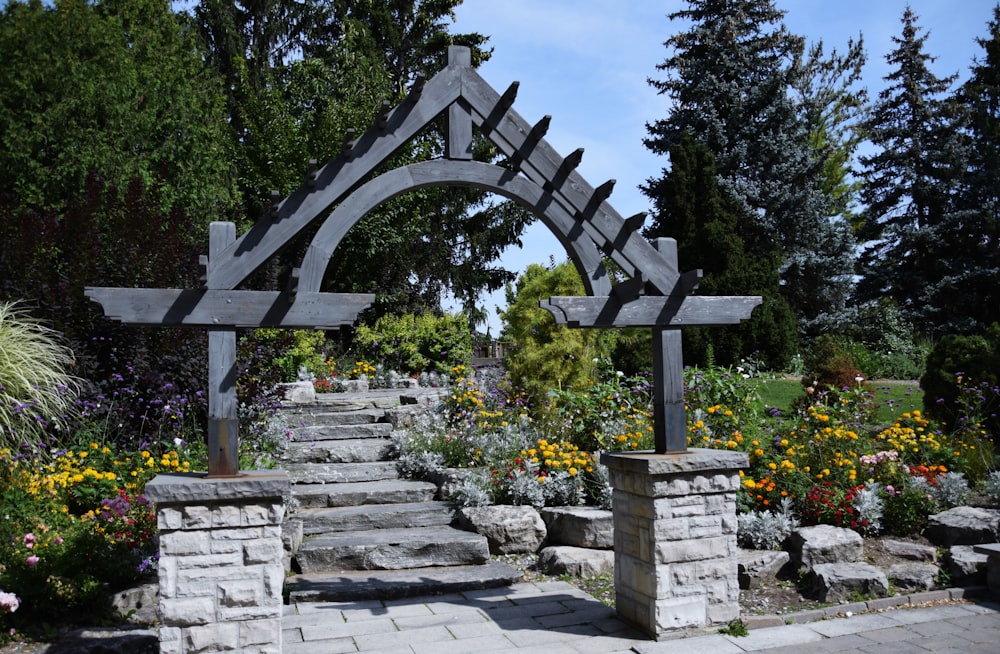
{"x":690,"y":207}
{"x":980,"y":96}
{"x":919,"y":234}
{"x":731,"y":76}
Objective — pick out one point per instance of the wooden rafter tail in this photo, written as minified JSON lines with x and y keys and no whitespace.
{"x":350,"y":140}
{"x":566,"y":167}
{"x":629,"y":290}
{"x":531,"y":139}
{"x":382,"y":119}
{"x":310,"y":177}
{"x":274,"y":209}
{"x":417,"y":89}
{"x":634,"y":223}
{"x":601,"y":193}
{"x":688,"y":282}
{"x":506,"y":100}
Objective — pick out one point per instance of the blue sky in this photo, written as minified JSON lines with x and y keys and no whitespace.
{"x":586,"y":62}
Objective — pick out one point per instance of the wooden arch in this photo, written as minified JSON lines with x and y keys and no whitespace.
{"x":656,"y":294}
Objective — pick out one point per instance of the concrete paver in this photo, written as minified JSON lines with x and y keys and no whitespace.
{"x":558,"y":618}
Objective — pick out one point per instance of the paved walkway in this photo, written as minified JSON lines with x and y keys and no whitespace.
{"x":558,"y":618}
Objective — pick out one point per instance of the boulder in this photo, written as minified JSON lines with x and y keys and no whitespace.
{"x":964,"y":525}
{"x":810,"y":546}
{"x":579,"y":526}
{"x":577,"y":561}
{"x":912,"y":551}
{"x":138,"y":604}
{"x":300,"y":392}
{"x":508,"y":529}
{"x":832,"y":582}
{"x":913,"y":575}
{"x":760,"y":566}
{"x":967,"y":567}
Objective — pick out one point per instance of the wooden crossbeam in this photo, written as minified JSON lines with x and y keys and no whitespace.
{"x":169,"y":307}
{"x":650,"y":311}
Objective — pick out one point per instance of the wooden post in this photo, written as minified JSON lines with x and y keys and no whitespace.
{"x":223,"y":421}
{"x":669,"y":418}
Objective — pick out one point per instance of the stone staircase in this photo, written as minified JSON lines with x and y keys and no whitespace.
{"x":355,"y":530}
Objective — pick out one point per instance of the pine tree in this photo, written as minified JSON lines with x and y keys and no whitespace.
{"x":731,"y":77}
{"x":919,"y":234}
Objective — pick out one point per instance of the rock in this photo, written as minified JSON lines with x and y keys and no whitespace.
{"x":967,"y":567}
{"x":841,"y":581}
{"x":576,"y":561}
{"x":579,"y":526}
{"x":759,"y":566}
{"x":292,"y":534}
{"x":914,"y":576}
{"x":508,"y":529}
{"x":811,"y":546}
{"x":300,"y":392}
{"x":107,"y":641}
{"x":907,"y":550}
{"x":138,"y":604}
{"x":992,"y":552}
{"x":964,"y":525}
{"x":355,"y":385}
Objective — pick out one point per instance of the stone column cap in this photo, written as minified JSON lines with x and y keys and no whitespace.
{"x":189,"y":487}
{"x":691,"y":460}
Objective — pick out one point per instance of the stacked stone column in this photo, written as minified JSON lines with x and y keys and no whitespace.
{"x":221,"y":572}
{"x":675,"y":538}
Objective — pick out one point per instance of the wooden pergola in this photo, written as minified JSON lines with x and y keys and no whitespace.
{"x":657,"y":295}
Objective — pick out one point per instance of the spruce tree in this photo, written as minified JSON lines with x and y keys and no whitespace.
{"x":980,"y":96}
{"x":919,"y":234}
{"x":730,"y":79}
{"x":692,"y":209}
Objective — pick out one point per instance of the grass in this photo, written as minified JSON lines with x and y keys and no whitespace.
{"x":893,"y":397}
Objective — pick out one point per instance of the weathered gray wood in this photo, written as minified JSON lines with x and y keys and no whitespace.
{"x":542,"y":164}
{"x":333,"y":181}
{"x":582,"y":251}
{"x":223,"y":418}
{"x":458,"y":141}
{"x":217,"y":308}
{"x":650,"y":311}
{"x":669,"y":420}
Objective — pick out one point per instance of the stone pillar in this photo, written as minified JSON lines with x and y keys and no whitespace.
{"x":675,"y":537}
{"x":221,"y":572}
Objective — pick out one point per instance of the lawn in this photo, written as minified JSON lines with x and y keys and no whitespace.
{"x":893,"y":397}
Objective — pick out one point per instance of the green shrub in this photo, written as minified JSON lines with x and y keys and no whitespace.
{"x":961,"y":381}
{"x":36,"y":391}
{"x":415,"y":344}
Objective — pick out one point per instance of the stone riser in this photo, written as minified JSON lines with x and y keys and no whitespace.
{"x":334,"y":473}
{"x":392,"y":549}
{"x":340,"y":432}
{"x":345,"y":451}
{"x":335,"y":418}
{"x":377,"y":516}
{"x":315,"y":496}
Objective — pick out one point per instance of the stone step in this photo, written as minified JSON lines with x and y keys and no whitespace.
{"x":390,"y":491}
{"x":310,"y":432}
{"x":375,"y":516}
{"x":349,"y":586}
{"x":319,"y":415}
{"x":335,"y":473}
{"x":344,"y":451}
{"x":392,"y":549}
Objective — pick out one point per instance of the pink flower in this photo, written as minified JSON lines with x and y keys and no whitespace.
{"x":32,"y":561}
{"x":29,"y":540}
{"x":57,"y":540}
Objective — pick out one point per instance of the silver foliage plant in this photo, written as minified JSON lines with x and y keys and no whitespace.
{"x":766,"y":530}
{"x":991,"y":486}
{"x":870,"y":508}
{"x":951,"y":490}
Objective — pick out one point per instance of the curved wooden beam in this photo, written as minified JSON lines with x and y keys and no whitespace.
{"x":581,"y":249}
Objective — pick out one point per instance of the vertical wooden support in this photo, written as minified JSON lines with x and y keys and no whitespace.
{"x":223,"y":422}
{"x":458,"y":141}
{"x":669,"y":418}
